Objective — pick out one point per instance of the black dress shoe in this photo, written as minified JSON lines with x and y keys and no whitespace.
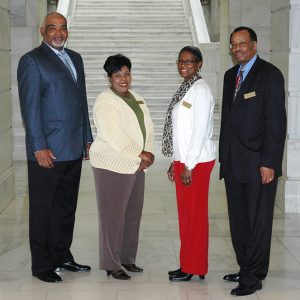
{"x":170,"y":273}
{"x":181,"y":276}
{"x":48,"y":276}
{"x":118,"y":274}
{"x":132,"y":268}
{"x":232,"y":277}
{"x":244,"y":290}
{"x":73,"y":267}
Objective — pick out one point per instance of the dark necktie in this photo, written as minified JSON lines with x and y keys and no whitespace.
{"x":62,"y":56}
{"x":238,"y":82}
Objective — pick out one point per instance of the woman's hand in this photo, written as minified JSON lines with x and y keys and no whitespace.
{"x":147,"y":156}
{"x":186,"y":177}
{"x":171,"y":172}
{"x":147,"y":160}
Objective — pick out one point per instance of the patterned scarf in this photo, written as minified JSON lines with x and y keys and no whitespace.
{"x":167,"y":139}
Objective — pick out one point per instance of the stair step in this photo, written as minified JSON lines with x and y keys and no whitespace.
{"x":149,"y":33}
{"x":129,"y":35}
{"x":115,"y":27}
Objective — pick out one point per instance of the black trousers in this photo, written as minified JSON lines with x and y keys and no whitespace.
{"x":53,"y":197}
{"x":250,"y":208}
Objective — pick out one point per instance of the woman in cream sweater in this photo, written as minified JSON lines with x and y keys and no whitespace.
{"x":121,"y":151}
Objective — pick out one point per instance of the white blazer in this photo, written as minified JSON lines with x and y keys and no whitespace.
{"x":193,"y":126}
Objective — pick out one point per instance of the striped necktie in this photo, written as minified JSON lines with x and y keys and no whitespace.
{"x":62,"y":56}
{"x":238,"y":82}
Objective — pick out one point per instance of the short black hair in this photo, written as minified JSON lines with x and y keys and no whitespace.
{"x":252,"y":34}
{"x":194,"y":50}
{"x":114,"y":63}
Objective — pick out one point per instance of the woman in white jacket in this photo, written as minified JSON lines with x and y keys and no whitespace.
{"x":188,"y":140}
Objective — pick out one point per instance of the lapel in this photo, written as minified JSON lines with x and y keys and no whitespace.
{"x":232,"y":80}
{"x":50,"y":55}
{"x":231,"y":85}
{"x":247,"y":82}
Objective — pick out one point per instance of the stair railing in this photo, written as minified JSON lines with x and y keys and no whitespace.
{"x":65,"y":7}
{"x":195,"y":14}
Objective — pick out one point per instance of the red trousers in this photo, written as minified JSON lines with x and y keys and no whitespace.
{"x":192,"y":204}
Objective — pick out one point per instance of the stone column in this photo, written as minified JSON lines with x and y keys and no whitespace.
{"x":26,"y":18}
{"x":6,"y":163}
{"x":285,"y":53}
{"x":215,"y":20}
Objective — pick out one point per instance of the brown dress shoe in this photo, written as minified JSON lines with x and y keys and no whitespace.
{"x":118,"y":274}
{"x":132,"y":268}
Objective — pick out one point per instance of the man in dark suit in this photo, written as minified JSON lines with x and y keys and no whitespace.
{"x":58,"y":135}
{"x":253,"y":129}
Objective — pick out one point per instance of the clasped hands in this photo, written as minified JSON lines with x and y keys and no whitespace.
{"x":185,"y":176}
{"x":147,"y":159}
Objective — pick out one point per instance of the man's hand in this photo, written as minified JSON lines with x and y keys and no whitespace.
{"x":267,"y":175}
{"x":87,"y":152}
{"x":45,"y":158}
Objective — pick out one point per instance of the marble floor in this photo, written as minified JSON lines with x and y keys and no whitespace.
{"x":158,"y":250}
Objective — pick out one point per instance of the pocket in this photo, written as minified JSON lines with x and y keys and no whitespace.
{"x":54,"y":124}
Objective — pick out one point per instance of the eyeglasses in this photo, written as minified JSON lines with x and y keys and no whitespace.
{"x":186,"y":62}
{"x":240,"y":45}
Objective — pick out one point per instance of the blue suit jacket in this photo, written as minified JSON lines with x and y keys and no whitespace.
{"x":53,"y":106}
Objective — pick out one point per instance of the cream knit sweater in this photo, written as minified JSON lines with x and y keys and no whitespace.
{"x":119,"y":139}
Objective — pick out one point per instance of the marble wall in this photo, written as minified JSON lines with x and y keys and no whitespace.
{"x":215,"y":21}
{"x":255,"y":14}
{"x":26,"y":18}
{"x":6,"y":163}
{"x":285,"y":53}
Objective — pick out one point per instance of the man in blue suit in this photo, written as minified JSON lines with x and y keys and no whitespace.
{"x":58,"y":135}
{"x":252,"y":138}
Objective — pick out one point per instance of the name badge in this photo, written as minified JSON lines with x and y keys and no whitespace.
{"x":186,"y":104}
{"x":140,"y":102}
{"x":249,"y":95}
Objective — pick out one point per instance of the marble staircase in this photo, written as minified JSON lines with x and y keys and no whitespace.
{"x":149,"y":32}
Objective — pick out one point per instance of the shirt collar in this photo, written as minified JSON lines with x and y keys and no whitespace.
{"x":55,"y":50}
{"x":247,"y":67}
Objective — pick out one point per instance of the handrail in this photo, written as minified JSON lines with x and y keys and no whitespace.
{"x":63,"y":7}
{"x":196,"y":14}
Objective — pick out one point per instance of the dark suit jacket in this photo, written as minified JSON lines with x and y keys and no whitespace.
{"x":53,"y":106}
{"x":253,"y":127}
